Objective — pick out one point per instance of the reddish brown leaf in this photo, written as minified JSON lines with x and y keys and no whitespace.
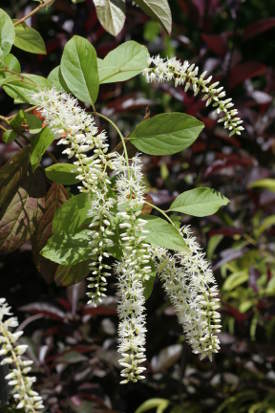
{"x":23,"y":213}
{"x":243,"y":71}
{"x":11,"y":175}
{"x":216,"y":42}
{"x":258,"y":27}
{"x":56,"y":196}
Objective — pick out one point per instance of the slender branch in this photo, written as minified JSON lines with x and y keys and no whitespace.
{"x":34,"y":11}
{"x":162,"y":212}
{"x":100,"y":115}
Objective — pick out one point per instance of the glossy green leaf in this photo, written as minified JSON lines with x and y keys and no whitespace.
{"x":7,"y":33}
{"x":62,"y":173}
{"x":68,"y":249}
{"x":21,"y":88}
{"x":111,"y":14}
{"x":199,"y":202}
{"x":29,"y":39}
{"x":267,"y":183}
{"x":163,"y":234}
{"x":79,"y":69}
{"x":166,"y":134}
{"x":124,"y":62}
{"x":40,"y":145}
{"x":158,"y":10}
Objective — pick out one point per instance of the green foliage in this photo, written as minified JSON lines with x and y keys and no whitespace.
{"x":29,"y":40}
{"x":21,"y":88}
{"x":79,"y":69}
{"x":40,"y":144}
{"x":124,"y":62}
{"x":166,"y":134}
{"x":62,"y":173}
{"x":159,"y":10}
{"x":163,"y":234}
{"x":199,"y":202}
{"x":7,"y":34}
{"x":111,"y":15}
{"x":160,"y":405}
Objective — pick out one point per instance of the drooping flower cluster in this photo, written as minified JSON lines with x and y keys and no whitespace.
{"x":133,"y":269}
{"x":189,"y":282}
{"x":187,"y":75}
{"x":11,"y":353}
{"x":116,"y":213}
{"x":76,"y":130}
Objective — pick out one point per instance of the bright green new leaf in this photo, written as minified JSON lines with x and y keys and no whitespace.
{"x":160,"y":405}
{"x":163,"y":234}
{"x":68,"y":249}
{"x":62,"y":173}
{"x":29,"y":39}
{"x":235,"y":279}
{"x":158,"y":10}
{"x":267,"y":183}
{"x":199,"y":202}
{"x":40,"y":145}
{"x":166,"y":134}
{"x":21,"y":88}
{"x":79,"y":69}
{"x":7,"y":33}
{"x":124,"y":62}
{"x":111,"y":14}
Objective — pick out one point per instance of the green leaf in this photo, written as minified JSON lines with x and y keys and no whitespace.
{"x":235,"y":279}
{"x":166,"y":134}
{"x":163,"y":234}
{"x":73,"y":216}
{"x":62,"y":173}
{"x":29,"y":39}
{"x":159,"y":404}
{"x":124,"y":62}
{"x":69,"y":244}
{"x":267,"y":223}
{"x":68,"y":249}
{"x":40,"y":145}
{"x":7,"y":33}
{"x":199,"y":202}
{"x":267,"y":183}
{"x":149,"y":286}
{"x":25,"y":121}
{"x":212,"y":245}
{"x":79,"y":69}
{"x":9,"y":136}
{"x":111,"y":14}
{"x":9,"y":63}
{"x":158,"y":10}
{"x":21,"y":88}
{"x":55,"y":78}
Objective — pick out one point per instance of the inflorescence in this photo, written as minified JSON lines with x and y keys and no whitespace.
{"x":11,"y":352}
{"x":117,"y":199}
{"x":187,"y":74}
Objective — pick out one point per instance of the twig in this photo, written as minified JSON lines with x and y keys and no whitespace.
{"x":34,"y":11}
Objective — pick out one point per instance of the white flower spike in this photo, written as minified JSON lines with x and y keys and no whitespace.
{"x":11,"y":354}
{"x":187,"y":75}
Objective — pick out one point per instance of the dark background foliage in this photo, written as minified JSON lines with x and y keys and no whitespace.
{"x":74,"y":345}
